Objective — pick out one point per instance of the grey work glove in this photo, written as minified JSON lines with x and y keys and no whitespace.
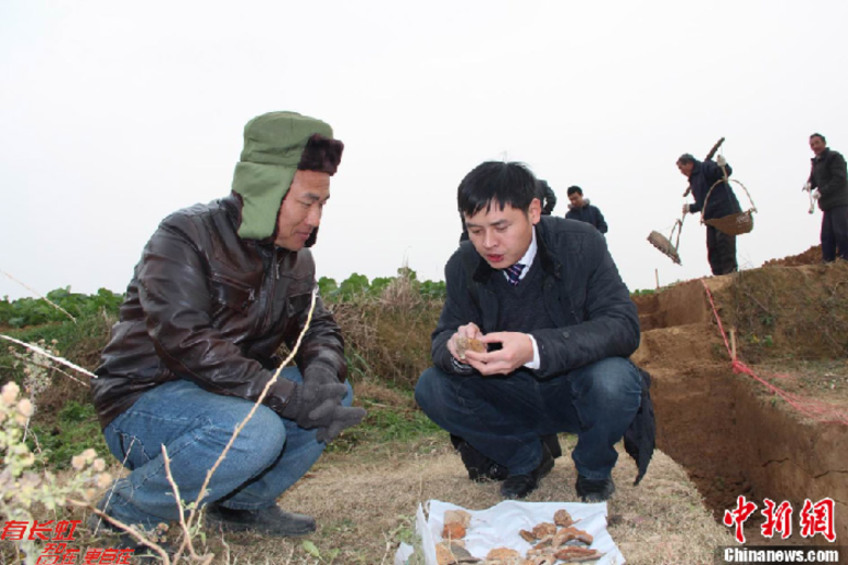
{"x":311,"y":405}
{"x":321,"y":373}
{"x":343,"y":417}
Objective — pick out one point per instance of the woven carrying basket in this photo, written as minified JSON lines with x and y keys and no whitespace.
{"x":732,"y":224}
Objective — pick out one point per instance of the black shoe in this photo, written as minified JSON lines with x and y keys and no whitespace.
{"x":272,"y":521}
{"x":594,"y":490}
{"x":519,"y":486}
{"x":480,"y":468}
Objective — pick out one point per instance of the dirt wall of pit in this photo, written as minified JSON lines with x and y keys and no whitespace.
{"x":731,"y":437}
{"x":788,"y":457}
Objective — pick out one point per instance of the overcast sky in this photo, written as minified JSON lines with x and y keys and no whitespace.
{"x":114,"y":114}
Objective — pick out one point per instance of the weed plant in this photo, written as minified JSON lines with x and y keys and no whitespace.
{"x":28,"y":494}
{"x":61,"y":304}
{"x":778,"y":309}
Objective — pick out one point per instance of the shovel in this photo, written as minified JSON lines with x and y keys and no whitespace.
{"x":664,"y":244}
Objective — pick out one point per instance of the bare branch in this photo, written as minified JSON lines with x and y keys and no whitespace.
{"x":50,"y":355}
{"x":50,"y":302}
{"x":127,"y":528}
{"x":256,"y":405}
{"x":186,"y":537}
{"x":49,"y":367}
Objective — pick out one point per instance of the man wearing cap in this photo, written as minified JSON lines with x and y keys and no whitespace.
{"x":219,"y":288}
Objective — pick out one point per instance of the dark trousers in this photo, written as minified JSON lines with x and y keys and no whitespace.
{"x":504,"y":417}
{"x":721,"y":251}
{"x":834,"y":233}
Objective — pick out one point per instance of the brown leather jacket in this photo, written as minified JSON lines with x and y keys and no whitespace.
{"x":208,"y":306}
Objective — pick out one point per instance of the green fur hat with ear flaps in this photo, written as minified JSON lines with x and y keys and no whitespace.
{"x":274,"y":145}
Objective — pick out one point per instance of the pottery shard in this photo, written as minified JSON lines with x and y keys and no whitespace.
{"x":452,"y":553}
{"x":527,"y":536}
{"x":540,"y":560}
{"x":578,"y":554}
{"x":457,"y":516}
{"x":562,"y":518}
{"x":502,"y":553}
{"x":453,"y":530}
{"x":464,"y":344}
{"x":444,"y":556}
{"x":544,"y":529}
{"x":503,"y":556}
{"x":571,"y":533}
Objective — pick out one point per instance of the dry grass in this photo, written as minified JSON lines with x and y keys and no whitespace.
{"x":389,"y":338}
{"x":797,"y":312}
{"x":365,"y":507}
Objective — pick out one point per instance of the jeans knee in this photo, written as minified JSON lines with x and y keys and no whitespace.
{"x":425,"y":388}
{"x":347,"y":400}
{"x":262,"y":438}
{"x":614,"y":382}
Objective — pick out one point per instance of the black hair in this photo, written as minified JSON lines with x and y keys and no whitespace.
{"x":685,"y":159}
{"x":819,"y":136}
{"x":496,"y":182}
{"x":574,"y":188}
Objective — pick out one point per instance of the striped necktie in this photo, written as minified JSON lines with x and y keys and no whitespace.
{"x":513,"y":273}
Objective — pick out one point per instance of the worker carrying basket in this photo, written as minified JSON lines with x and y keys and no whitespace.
{"x":710,"y":184}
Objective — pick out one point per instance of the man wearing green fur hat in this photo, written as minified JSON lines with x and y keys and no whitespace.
{"x":219,"y":288}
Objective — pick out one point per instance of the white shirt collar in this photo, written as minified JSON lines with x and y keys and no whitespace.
{"x":529,"y":256}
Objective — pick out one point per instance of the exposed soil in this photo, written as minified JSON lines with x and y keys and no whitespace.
{"x":731,"y":432}
{"x":811,"y":256}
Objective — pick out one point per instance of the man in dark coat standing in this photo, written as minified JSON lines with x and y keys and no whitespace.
{"x":829,"y":185}
{"x":581,"y":210}
{"x":547,"y":196}
{"x":543,"y":295}
{"x":704,"y":176}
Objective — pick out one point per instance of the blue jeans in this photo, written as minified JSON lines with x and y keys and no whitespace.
{"x":270,"y":454}
{"x":503,"y":417}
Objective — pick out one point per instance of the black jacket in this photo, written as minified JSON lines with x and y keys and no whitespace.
{"x":722,"y":201}
{"x":829,"y":176}
{"x":582,"y":289}
{"x":546,"y":196}
{"x":208,"y":306}
{"x":589,"y":214}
